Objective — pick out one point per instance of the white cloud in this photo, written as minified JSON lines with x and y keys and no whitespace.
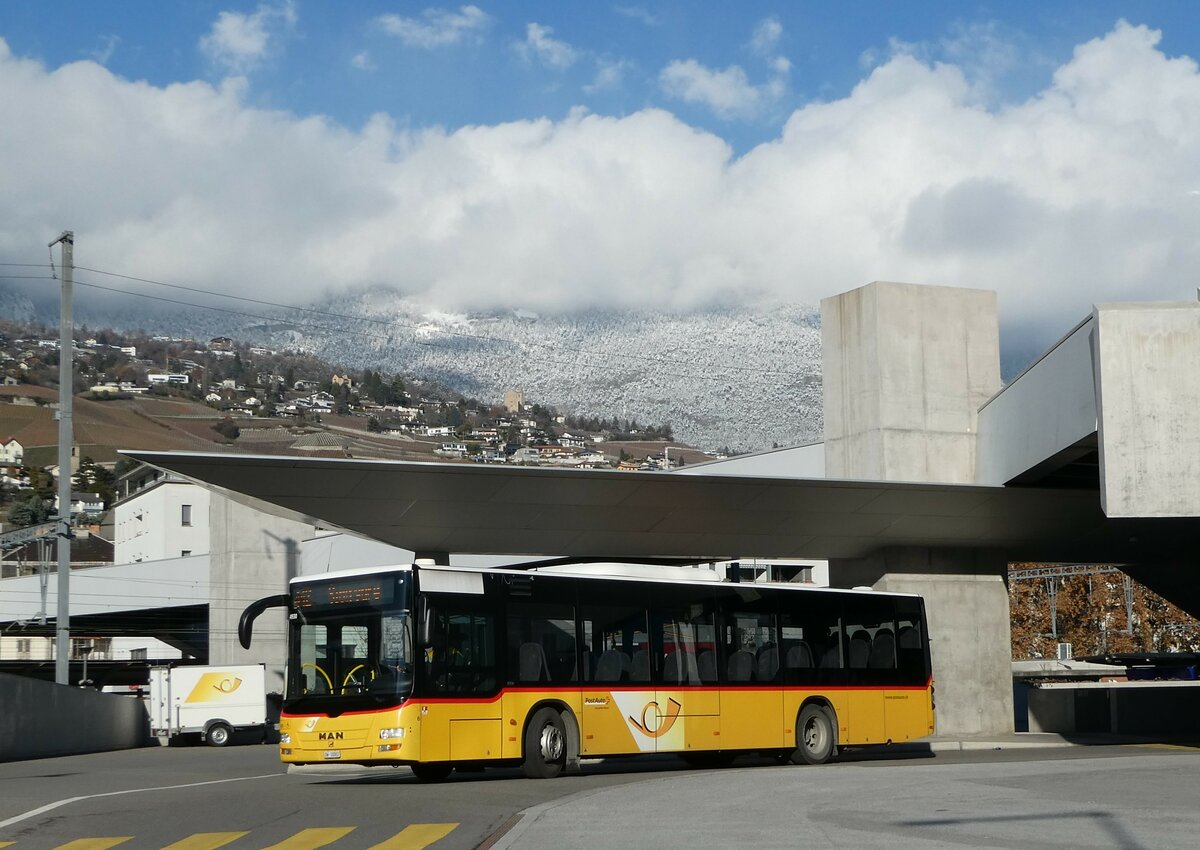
{"x":1081,"y":194}
{"x":766,"y":36}
{"x":610,"y":74}
{"x":437,"y":27}
{"x":239,"y":42}
{"x":108,"y":45}
{"x":551,"y":52}
{"x":362,"y":61}
{"x":728,"y":93}
{"x":638,"y":13}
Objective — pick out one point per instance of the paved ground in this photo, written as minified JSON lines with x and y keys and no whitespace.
{"x":953,"y":793}
{"x":1029,"y":798}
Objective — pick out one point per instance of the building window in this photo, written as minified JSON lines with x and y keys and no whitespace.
{"x":137,"y":654}
{"x":185,"y":515}
{"x":24,"y":645}
{"x":185,"y":552}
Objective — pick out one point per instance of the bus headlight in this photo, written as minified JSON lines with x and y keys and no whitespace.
{"x":393,"y":732}
{"x":285,"y":738}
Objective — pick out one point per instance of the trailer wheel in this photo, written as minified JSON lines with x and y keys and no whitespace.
{"x":545,"y":745}
{"x":218,"y":735}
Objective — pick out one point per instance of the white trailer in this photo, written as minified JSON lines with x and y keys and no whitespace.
{"x":211,"y":701}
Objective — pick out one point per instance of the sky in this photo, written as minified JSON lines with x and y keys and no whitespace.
{"x":575,"y":156}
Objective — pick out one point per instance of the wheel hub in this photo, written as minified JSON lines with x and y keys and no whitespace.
{"x":552,"y":743}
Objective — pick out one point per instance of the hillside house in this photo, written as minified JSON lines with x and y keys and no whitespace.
{"x":12,"y":453}
{"x":451,"y":450}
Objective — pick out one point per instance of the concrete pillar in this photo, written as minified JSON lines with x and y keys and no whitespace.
{"x":966,"y":604}
{"x":905,"y":370}
{"x":253,"y":554}
{"x":1148,"y":392}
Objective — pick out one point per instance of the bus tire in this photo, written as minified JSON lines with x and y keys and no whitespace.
{"x":545,"y":745}
{"x":815,"y":736}
{"x":432,"y":771}
{"x":218,"y":734}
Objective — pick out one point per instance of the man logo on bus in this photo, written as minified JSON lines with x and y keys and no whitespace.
{"x":654,"y":722}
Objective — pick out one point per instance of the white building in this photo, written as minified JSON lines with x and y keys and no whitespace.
{"x":166,"y":519}
{"x":12,"y":453}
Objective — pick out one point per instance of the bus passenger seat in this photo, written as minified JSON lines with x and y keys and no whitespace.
{"x":799,"y":656}
{"x":860,"y":648}
{"x":611,"y":665}
{"x":909,"y":638}
{"x":671,"y":672}
{"x":640,"y":669}
{"x":741,"y":666}
{"x":883,"y":650}
{"x":706,"y":666}
{"x":532,"y":663}
{"x":768,"y":663}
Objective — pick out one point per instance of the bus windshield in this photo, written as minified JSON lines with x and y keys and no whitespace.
{"x":351,"y":643}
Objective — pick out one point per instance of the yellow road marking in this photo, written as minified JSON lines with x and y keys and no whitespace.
{"x":7,"y":843}
{"x":93,"y":843}
{"x":204,"y":841}
{"x":416,"y":836}
{"x":1168,"y":746}
{"x":307,"y":839}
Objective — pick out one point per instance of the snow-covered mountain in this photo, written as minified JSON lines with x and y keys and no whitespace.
{"x":738,"y":377}
{"x":734,"y":377}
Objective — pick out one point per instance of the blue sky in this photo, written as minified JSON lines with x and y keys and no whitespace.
{"x":575,"y":156}
{"x":444,"y":65}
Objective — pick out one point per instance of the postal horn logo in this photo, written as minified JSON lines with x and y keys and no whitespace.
{"x":655,"y":722}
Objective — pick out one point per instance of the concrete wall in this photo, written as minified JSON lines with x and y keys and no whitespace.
{"x":966,"y":603}
{"x":1047,"y":409}
{"x":905,"y":371}
{"x":1148,"y":385}
{"x":253,"y":555}
{"x":40,"y":719}
{"x":148,"y":526}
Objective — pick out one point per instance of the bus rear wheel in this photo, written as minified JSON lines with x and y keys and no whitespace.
{"x":545,"y":745}
{"x":815,"y":737}
{"x":431,"y":771}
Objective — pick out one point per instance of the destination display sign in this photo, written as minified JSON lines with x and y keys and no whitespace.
{"x":368,"y":591}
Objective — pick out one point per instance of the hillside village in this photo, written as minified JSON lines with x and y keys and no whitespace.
{"x":160,"y":393}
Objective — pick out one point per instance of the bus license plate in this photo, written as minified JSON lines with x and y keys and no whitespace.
{"x":333,"y":754}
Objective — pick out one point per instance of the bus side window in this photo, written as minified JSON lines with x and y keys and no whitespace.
{"x":617,"y":642}
{"x":541,"y":642}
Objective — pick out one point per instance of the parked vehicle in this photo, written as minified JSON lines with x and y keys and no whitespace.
{"x":213,"y":702}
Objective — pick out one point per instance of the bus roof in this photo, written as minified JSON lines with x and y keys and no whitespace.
{"x":602,"y":571}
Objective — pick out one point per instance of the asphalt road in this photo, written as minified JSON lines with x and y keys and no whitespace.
{"x":197,"y":798}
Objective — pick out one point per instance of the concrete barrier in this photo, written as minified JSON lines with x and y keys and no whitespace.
{"x":1128,"y":708}
{"x":40,"y":719}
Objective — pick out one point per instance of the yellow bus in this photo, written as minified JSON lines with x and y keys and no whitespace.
{"x":540,"y":666}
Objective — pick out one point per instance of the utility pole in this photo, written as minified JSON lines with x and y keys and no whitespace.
{"x":66,"y":380}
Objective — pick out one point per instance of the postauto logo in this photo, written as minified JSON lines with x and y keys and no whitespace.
{"x":213,"y":687}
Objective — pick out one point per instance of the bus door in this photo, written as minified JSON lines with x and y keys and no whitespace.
{"x":685,"y":714}
{"x":459,"y":682}
{"x":870,"y":641}
{"x":751,"y":696}
{"x":617,"y":693}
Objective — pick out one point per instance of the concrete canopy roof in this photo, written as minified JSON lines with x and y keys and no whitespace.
{"x":434,"y":507}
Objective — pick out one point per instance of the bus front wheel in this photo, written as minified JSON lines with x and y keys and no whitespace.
{"x":545,"y":745}
{"x":815,"y":736}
